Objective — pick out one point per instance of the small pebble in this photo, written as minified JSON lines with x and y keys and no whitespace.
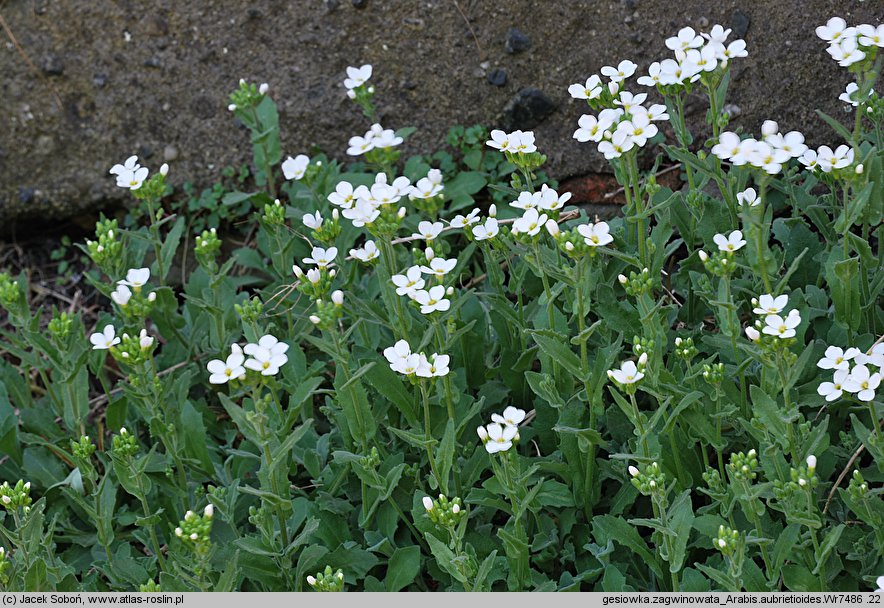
{"x":497,"y":77}
{"x":516,"y":41}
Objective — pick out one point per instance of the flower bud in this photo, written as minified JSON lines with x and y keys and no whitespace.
{"x":811,"y":462}
{"x":123,"y":431}
{"x":622,"y":278}
{"x":311,"y":580}
{"x":633,"y":471}
{"x":802,"y":482}
{"x":455,"y":508}
{"x":401,"y":213}
{"x":859,"y":169}
{"x":178,"y":531}
{"x":232,"y":107}
{"x":643,"y":360}
{"x":264,"y":88}
{"x":332,"y":273}
{"x":769,"y":127}
{"x":430,"y":254}
{"x":297,"y":270}
{"x":315,"y":320}
{"x":314,"y":276}
{"x":164,"y":169}
{"x":752,"y":333}
{"x":449,"y":291}
{"x":483,"y":434}
{"x":492,"y":210}
{"x":569,"y":246}
{"x":209,"y":511}
{"x":703,"y":255}
{"x":428,"y":503}
{"x":338,"y":297}
{"x":552,"y":227}
{"x":152,"y":296}
{"x":722,"y":543}
{"x":335,"y":215}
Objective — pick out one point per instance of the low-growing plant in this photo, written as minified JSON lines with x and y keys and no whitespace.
{"x":447,"y":378}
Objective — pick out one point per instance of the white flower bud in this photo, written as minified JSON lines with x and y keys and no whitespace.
{"x":264,"y":88}
{"x":401,"y":213}
{"x":752,"y":333}
{"x":622,"y":278}
{"x":678,"y":341}
{"x":455,"y":508}
{"x":123,"y":431}
{"x":643,"y":360}
{"x":633,"y":471}
{"x":310,"y":579}
{"x":751,"y":453}
{"x":859,"y":169}
{"x":428,"y":503}
{"x":332,"y":273}
{"x":297,"y":270}
{"x":430,"y":254}
{"x":552,"y":227}
{"x":209,"y":511}
{"x":100,"y":248}
{"x":188,"y":516}
{"x":569,"y":246}
{"x":315,"y":320}
{"x":769,"y":127}
{"x":178,"y":532}
{"x":811,"y":462}
{"x":483,"y":434}
{"x":351,"y":93}
{"x":314,"y":276}
{"x":802,"y":482}
{"x":194,"y":536}
{"x":492,"y":210}
{"x":652,"y":484}
{"x":722,"y":543}
{"x":232,"y":107}
{"x":449,"y":291}
{"x":151,"y":297}
{"x":335,"y":215}
{"x":164,"y":169}
{"x":338,"y":297}
{"x":703,"y":255}
{"x":6,"y":500}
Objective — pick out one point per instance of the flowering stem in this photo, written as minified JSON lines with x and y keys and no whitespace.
{"x":641,"y":220}
{"x":584,"y":368}
{"x":750,"y":511}
{"x":646,"y":453}
{"x":153,"y":533}
{"x":345,"y":370}
{"x":759,"y":236}
{"x":816,"y":543}
{"x":388,"y":259}
{"x":875,"y":422}
{"x":550,"y":311}
{"x":155,"y":238}
{"x":446,"y":381}
{"x":425,"y":394}
{"x":268,"y":170}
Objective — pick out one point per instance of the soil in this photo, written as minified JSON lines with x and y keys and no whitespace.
{"x":86,"y":83}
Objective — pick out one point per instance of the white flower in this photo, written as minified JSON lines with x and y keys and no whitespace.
{"x":500,"y":438}
{"x":313,"y":275}
{"x":408,"y":283}
{"x":401,"y":358}
{"x":223,"y":371}
{"x":265,"y":361}
{"x":837,"y":358}
{"x":343,"y":195}
{"x":775,"y":325}
{"x":590,"y":129}
{"x":436,"y":366}
{"x":368,"y":252}
{"x":869,"y":35}
{"x":294,"y":168}
{"x":432,"y":300}
{"x":620,"y":143}
{"x":439,"y":267}
{"x":362,"y":213}
{"x":846,"y":51}
{"x":267,"y":342}
{"x":624,"y":70}
{"x":833,"y":390}
{"x":769,"y":305}
{"x":462,"y":221}
{"x":733,"y":242}
{"x":314,"y":222}
{"x":590,"y":90}
{"x":105,"y":339}
{"x":526,"y":200}
{"x":359,"y":145}
{"x":387,"y":139}
{"x":639,"y":129}
{"x":595,"y":235}
{"x":862,"y":382}
{"x":121,"y":295}
{"x":549,"y":199}
{"x":428,"y":230}
{"x":748,"y":197}
{"x":322,"y":258}
{"x":136,"y":278}
{"x":834,"y":30}
{"x":500,"y":140}
{"x":728,"y":145}
{"x":686,"y":39}
{"x":735,"y":49}
{"x":627,"y":374}
{"x":356,"y":77}
{"x":130,"y":174}
{"x":875,"y":357}
{"x":486,"y":231}
{"x":850,"y":94}
{"x":512,"y":416}
{"x":426,"y":188}
{"x":880,"y":583}
{"x":530,"y":223}
{"x":792,"y":143}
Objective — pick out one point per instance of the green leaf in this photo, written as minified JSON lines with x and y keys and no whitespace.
{"x":402,"y":568}
{"x":554,"y":345}
{"x":605,"y":527}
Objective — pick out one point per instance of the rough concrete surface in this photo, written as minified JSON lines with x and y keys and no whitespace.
{"x":105,"y":79}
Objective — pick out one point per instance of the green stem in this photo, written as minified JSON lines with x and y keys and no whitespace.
{"x":443,"y":485}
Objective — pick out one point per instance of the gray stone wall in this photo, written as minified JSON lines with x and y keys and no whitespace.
{"x":106,"y":79}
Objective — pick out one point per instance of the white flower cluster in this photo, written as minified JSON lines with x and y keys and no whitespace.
{"x":545,"y":199}
{"x":412,"y":284}
{"x":694,"y":54}
{"x":362,"y":205}
{"x":850,"y":94}
{"x":770,"y":154}
{"x":859,"y":379}
{"x":772,"y":323}
{"x":849,"y":45}
{"x":130,"y":174}
{"x":515,"y":142}
{"x":428,"y":187}
{"x":503,"y":430}
{"x":376,"y":137}
{"x":407,"y":363}
{"x":295,"y":168}
{"x":266,"y":357}
{"x":825,"y":159}
{"x":368,"y":252}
